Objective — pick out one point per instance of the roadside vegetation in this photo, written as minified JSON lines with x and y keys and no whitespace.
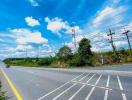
{"x":2,"y":94}
{"x":83,"y":56}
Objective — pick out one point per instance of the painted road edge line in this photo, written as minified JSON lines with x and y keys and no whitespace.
{"x":16,"y":93}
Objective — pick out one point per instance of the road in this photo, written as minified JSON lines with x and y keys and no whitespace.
{"x":72,"y":84}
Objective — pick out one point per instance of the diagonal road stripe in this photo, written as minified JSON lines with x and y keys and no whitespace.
{"x":59,"y":87}
{"x":90,"y":93}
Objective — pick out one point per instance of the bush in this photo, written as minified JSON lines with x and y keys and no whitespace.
{"x":45,"y":61}
{"x":2,"y":94}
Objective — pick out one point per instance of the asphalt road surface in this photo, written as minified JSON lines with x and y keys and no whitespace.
{"x":73,"y":84}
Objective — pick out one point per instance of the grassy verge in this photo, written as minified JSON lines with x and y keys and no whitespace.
{"x":2,"y":94}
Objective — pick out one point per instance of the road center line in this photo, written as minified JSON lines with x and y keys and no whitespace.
{"x":121,"y":88}
{"x":59,"y":87}
{"x":90,"y":93}
{"x":106,"y":91}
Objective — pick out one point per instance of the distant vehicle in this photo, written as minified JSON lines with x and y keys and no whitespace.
{"x":7,"y":66}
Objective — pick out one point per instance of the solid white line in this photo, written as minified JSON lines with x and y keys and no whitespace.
{"x":90,"y":93}
{"x":108,"y":80}
{"x":90,"y":78}
{"x":64,"y":91}
{"x":121,"y":88}
{"x":76,"y":92}
{"x":119,"y":82}
{"x":106,"y":91}
{"x":106,"y":95}
{"x":59,"y":87}
{"x":124,"y":96}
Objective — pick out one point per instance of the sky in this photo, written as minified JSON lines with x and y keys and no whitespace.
{"x":30,"y":28}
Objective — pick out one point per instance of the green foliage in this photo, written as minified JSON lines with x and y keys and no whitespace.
{"x":2,"y":94}
{"x":45,"y":61}
{"x":85,"y":53}
{"x":64,"y":54}
{"x":84,"y":56}
{"x":75,"y":61}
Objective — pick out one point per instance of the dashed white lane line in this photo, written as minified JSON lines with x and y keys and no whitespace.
{"x":59,"y":87}
{"x":90,"y":93}
{"x":121,"y":88}
{"x":69,"y":88}
{"x":106,"y":91}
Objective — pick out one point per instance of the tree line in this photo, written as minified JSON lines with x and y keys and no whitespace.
{"x":83,"y":56}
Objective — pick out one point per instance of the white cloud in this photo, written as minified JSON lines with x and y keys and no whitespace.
{"x":76,"y":28}
{"x":23,"y":47}
{"x":120,"y":43}
{"x":34,"y":2}
{"x":57,"y":25}
{"x":31,"y":22}
{"x":70,"y":45}
{"x":24,"y":36}
{"x":109,"y":16}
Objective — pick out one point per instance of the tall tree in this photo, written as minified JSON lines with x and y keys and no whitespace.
{"x":64,"y":54}
{"x":85,"y":52}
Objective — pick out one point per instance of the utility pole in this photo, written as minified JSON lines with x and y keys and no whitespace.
{"x":74,"y":34}
{"x":111,"y":40}
{"x":126,"y":33}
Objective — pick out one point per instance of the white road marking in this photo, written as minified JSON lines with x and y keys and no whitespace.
{"x":106,"y":88}
{"x":106,"y":95}
{"x":90,"y":78}
{"x":108,"y":81}
{"x":119,"y":82}
{"x":90,"y":93}
{"x":64,"y":91}
{"x":121,"y":88}
{"x":76,"y":92}
{"x":124,"y":96}
{"x":106,"y":91}
{"x":69,"y":88}
{"x":59,"y":87}
{"x":79,"y":89}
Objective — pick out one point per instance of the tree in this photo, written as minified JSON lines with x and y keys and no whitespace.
{"x":85,"y":53}
{"x":64,"y":54}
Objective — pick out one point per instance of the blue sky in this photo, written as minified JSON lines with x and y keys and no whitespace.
{"x":45,"y":25}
